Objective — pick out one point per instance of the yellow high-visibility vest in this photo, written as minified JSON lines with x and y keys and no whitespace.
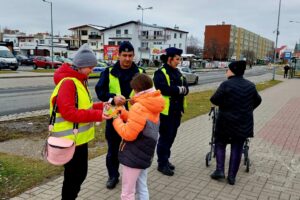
{"x":64,"y":128}
{"x":114,"y":85}
{"x":167,"y":98}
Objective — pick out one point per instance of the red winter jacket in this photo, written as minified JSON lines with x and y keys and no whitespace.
{"x":66,"y":97}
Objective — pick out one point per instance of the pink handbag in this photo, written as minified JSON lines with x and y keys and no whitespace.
{"x":58,"y":150}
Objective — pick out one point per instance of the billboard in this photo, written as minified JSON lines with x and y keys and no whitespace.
{"x":111,"y":52}
{"x":157,"y":50}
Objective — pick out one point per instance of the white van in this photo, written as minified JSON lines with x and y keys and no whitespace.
{"x":7,"y":59}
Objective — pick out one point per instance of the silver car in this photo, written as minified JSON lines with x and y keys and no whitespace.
{"x":189,"y":75}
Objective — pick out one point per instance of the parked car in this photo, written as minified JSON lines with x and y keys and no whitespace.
{"x":24,"y":60}
{"x":7,"y":59}
{"x":189,"y":75}
{"x":100,"y":67}
{"x":45,"y":62}
{"x":63,"y":59}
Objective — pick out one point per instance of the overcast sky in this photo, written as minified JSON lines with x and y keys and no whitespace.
{"x":258,"y":16}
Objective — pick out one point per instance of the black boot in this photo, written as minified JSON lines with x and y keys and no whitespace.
{"x":165,"y":170}
{"x":112,"y":182}
{"x":171,"y":166}
{"x":231,"y":180}
{"x":217,"y":175}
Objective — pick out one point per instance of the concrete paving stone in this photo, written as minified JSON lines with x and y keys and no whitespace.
{"x":203,"y":197}
{"x":295,"y":197}
{"x":284,"y":196}
{"x":213,"y":193}
{"x":263,"y":197}
{"x":271,"y":192}
{"x":17,"y":198}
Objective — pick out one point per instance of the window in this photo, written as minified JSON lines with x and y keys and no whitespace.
{"x":42,"y":41}
{"x":119,"y":42}
{"x":118,"y":32}
{"x":83,"y":41}
{"x":111,"y":43}
{"x":175,"y":35}
{"x":158,"y":33}
{"x":126,"y":31}
{"x":180,"y":35}
{"x":175,"y":45}
{"x":84,"y":32}
{"x":93,"y":43}
{"x":180,"y":45}
{"x":144,"y":44}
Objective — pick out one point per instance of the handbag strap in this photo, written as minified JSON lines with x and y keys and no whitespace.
{"x":54,"y":111}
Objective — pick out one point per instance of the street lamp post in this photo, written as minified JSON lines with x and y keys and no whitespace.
{"x":50,"y":2}
{"x":277,"y":33}
{"x":142,"y":8}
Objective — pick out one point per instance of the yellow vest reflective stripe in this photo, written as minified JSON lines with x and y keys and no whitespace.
{"x":114,"y":84}
{"x":167,"y":98}
{"x":64,"y":128}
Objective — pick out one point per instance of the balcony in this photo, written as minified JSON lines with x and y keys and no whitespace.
{"x":144,"y":48}
{"x":120,"y":36}
{"x":154,"y":37}
{"x":95,"y":37}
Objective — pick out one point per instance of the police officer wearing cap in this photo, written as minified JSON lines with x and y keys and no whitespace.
{"x":114,"y":83}
{"x":237,"y":98}
{"x":174,"y":88}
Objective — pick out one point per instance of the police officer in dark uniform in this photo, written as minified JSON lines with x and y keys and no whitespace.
{"x":114,"y":83}
{"x":174,"y":88}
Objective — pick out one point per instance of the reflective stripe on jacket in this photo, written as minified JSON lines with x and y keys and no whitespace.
{"x":114,"y":85}
{"x":167,"y":98}
{"x":64,"y":128}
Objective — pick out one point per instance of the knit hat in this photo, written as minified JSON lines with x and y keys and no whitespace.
{"x":126,"y":46}
{"x":84,"y":57}
{"x":238,"y":67}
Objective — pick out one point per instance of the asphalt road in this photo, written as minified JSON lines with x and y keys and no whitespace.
{"x":20,"y":95}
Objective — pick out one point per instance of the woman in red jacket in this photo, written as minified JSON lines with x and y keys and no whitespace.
{"x":75,"y":107}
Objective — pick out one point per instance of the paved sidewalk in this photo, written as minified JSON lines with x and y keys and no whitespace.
{"x":274,"y":152}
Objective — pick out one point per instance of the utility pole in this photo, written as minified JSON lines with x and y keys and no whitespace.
{"x":277,"y":33}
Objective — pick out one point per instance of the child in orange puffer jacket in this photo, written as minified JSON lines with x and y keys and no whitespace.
{"x":138,"y":128}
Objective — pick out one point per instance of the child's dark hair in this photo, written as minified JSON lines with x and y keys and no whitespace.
{"x":141,"y":82}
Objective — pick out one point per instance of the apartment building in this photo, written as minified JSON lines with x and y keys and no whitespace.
{"x":40,"y":44}
{"x":144,"y":38}
{"x":227,"y":42}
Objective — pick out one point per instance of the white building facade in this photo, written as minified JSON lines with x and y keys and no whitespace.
{"x":145,"y":38}
{"x":40,"y":44}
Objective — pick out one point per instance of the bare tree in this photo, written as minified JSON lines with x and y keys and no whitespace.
{"x":193,"y":45}
{"x":249,"y":55}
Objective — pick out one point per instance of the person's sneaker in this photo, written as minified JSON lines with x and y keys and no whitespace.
{"x":217,"y":175}
{"x":231,"y":180}
{"x":112,"y":182}
{"x":165,"y":170}
{"x":171,"y":166}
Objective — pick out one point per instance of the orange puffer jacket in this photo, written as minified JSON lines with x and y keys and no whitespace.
{"x":138,"y":128}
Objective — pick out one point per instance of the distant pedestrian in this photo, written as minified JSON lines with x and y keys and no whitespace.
{"x":236,"y":98}
{"x":286,"y":71}
{"x":138,"y":128}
